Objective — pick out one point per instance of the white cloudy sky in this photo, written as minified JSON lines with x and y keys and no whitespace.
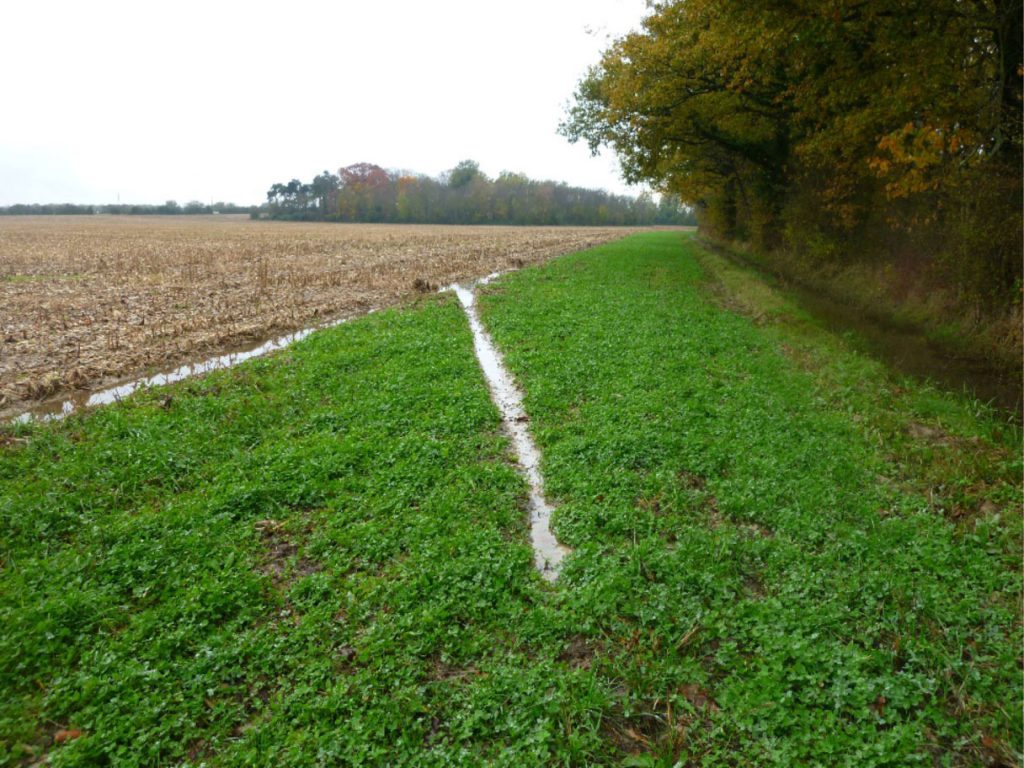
{"x":216,"y":101}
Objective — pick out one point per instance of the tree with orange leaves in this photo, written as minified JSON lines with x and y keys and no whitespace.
{"x":789,"y":121}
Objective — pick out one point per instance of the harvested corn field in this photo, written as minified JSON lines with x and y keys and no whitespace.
{"x":88,"y":300}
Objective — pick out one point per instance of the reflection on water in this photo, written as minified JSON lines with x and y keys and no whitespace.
{"x":59,"y":408}
{"x":912,"y":354}
{"x":548,"y":553}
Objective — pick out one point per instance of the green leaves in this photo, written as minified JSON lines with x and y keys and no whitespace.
{"x":216,"y":581}
{"x":322,"y":558}
{"x":724,"y":509}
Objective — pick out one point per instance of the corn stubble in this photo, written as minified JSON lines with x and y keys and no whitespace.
{"x":86,"y":300}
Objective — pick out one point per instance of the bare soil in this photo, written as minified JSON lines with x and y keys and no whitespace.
{"x":87,"y":300}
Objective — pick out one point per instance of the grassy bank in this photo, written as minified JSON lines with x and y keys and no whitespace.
{"x":782,"y":555}
{"x":905,"y":297}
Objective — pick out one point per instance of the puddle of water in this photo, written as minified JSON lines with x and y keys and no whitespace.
{"x":62,"y":406}
{"x":51,"y":410}
{"x":548,"y":553}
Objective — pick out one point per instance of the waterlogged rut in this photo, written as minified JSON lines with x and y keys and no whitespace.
{"x":548,"y":553}
{"x":58,"y":408}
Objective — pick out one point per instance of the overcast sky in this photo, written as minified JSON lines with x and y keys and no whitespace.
{"x":147,"y":102}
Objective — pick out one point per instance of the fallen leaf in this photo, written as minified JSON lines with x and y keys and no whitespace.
{"x":878,"y":705}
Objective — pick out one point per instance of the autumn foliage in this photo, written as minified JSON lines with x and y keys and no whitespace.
{"x":365,"y":192}
{"x":833,"y":129}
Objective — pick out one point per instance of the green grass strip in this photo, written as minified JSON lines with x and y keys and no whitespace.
{"x":316,"y":559}
{"x":782,"y":556}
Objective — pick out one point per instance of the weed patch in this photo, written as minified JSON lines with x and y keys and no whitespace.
{"x":314,"y":558}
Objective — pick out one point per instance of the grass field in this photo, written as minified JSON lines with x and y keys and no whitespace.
{"x":89,"y":299}
{"x":782,"y":555}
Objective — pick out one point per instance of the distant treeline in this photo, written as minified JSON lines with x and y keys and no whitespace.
{"x":170,"y":208}
{"x":464,"y":195}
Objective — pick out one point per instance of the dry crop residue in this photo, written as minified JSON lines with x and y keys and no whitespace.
{"x":85,"y":300}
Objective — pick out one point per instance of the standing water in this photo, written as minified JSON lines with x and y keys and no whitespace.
{"x":906,"y":350}
{"x":548,"y":553}
{"x":60,"y":407}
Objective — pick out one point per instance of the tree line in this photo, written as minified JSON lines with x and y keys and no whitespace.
{"x":836,"y":130}
{"x":365,"y":192}
{"x":170,"y":208}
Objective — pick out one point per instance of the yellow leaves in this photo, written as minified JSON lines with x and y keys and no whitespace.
{"x":915,"y":157}
{"x":880,"y":165}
